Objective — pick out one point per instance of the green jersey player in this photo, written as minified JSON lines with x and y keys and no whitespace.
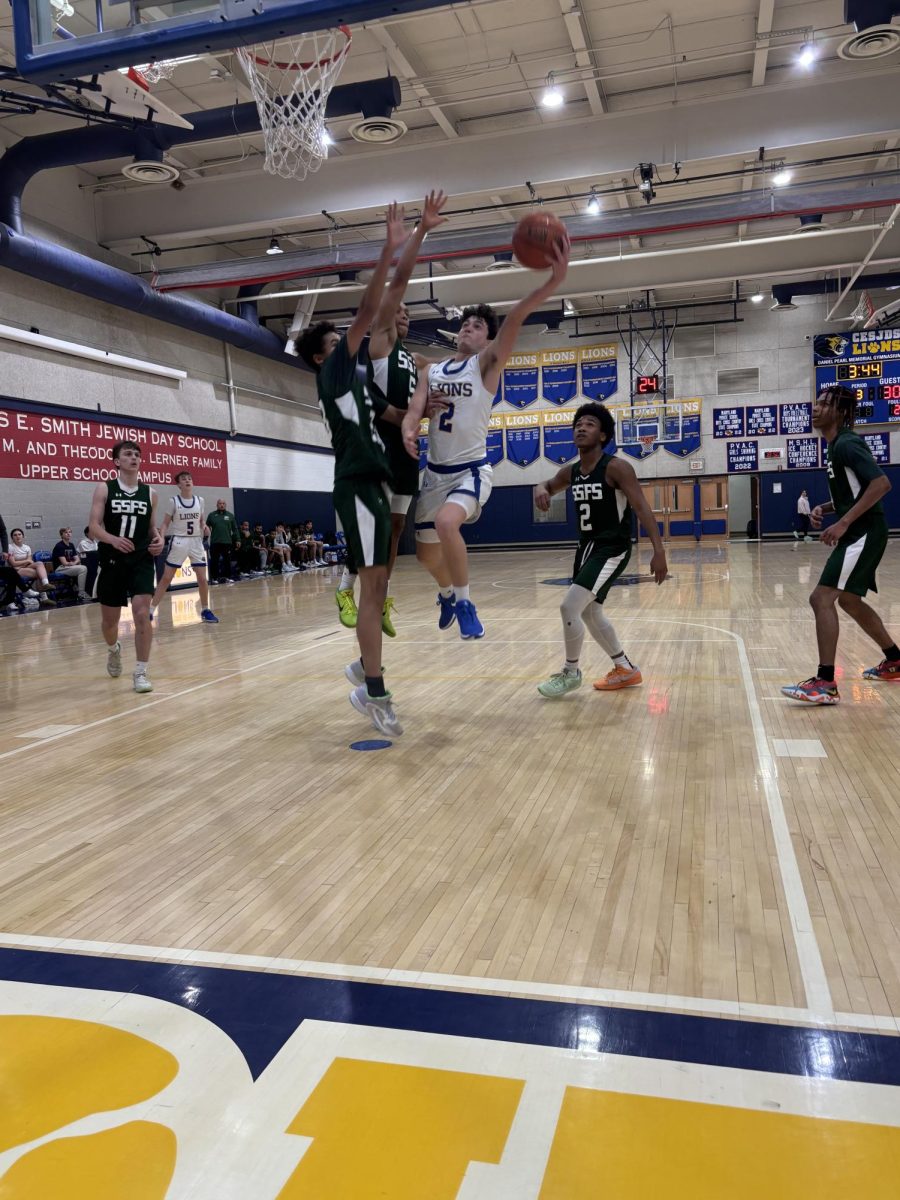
{"x":859,"y":538}
{"x":123,"y":521}
{"x":361,"y":471}
{"x":605,"y":489}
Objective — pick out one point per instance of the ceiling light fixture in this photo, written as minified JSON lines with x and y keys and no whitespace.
{"x":593,"y":204}
{"x":757,"y":297}
{"x":274,"y":247}
{"x":782,"y":177}
{"x":327,"y":139}
{"x":807,"y":56}
{"x":552,"y":97}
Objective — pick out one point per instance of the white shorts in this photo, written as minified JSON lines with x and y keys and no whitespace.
{"x":182,"y":548}
{"x":400,"y":503}
{"x":468,"y":485}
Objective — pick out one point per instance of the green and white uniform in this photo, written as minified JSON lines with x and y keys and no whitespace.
{"x":852,"y":564}
{"x":604,"y":525}
{"x":394,"y":378}
{"x":121,"y":576}
{"x":361,"y":470}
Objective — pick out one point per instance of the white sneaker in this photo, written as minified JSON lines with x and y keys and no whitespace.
{"x":378,"y":709}
{"x":14,"y":608}
{"x":141,"y":682}
{"x":114,"y":661}
{"x":32,"y":594}
{"x":355,"y":673}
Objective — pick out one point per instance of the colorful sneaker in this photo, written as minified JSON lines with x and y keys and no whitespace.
{"x":619,"y":677}
{"x":387,"y":625}
{"x":114,"y":661}
{"x":448,"y":610}
{"x":378,"y":709}
{"x":469,"y":625}
{"x":207,"y":614}
{"x":560,"y":683}
{"x":813,"y":691}
{"x":346,"y":607}
{"x":887,"y":672}
{"x":141,"y":682}
{"x":355,"y":673}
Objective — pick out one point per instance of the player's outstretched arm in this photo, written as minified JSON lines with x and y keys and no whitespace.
{"x":494,"y":356}
{"x":622,"y":475}
{"x":543,"y":491}
{"x":384,"y":327}
{"x":395,"y":236}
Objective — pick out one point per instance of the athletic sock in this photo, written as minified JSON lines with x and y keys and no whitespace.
{"x":825,"y":673}
{"x":446,"y":592}
{"x":571,"y":667}
{"x":891,"y":653}
{"x":140,"y":668}
{"x":622,"y":660}
{"x":348,"y":579}
{"x":462,"y":591}
{"x":375,"y":686}
{"x":117,"y":645}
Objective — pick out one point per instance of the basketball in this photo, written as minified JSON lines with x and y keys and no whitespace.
{"x":534,"y":236}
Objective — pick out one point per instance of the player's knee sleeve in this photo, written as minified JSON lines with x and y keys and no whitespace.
{"x":602,"y":629}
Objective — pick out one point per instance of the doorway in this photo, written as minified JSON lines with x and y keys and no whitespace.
{"x":688,"y":509}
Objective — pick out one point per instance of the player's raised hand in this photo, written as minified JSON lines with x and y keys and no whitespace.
{"x":542,"y":497}
{"x":395,"y":230}
{"x":431,"y":211}
{"x":559,"y":264}
{"x":659,"y":568}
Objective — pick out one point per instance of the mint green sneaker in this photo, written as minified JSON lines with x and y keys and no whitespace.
{"x":560,"y":683}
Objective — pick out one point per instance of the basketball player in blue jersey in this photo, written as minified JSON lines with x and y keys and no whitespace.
{"x":457,"y":479}
{"x":186,"y":518}
{"x":605,"y":490}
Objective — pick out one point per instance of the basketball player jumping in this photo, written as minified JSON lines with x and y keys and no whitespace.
{"x":859,"y":537}
{"x":187,"y":519}
{"x":457,"y":479}
{"x":362,"y":472}
{"x":605,"y":489}
{"x":123,"y":521}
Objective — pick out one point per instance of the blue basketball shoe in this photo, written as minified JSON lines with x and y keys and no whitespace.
{"x":469,"y":625}
{"x":448,"y":610}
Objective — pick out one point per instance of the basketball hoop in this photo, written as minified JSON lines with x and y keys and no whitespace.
{"x":155,"y":71}
{"x":291,"y":92}
{"x":646,"y":440}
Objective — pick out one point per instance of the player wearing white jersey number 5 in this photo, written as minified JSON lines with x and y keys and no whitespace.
{"x":185,"y":520}
{"x":457,"y":479}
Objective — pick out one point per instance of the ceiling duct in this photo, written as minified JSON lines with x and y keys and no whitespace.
{"x":144,"y":170}
{"x":502,"y":262}
{"x":875,"y":36}
{"x":783,"y":293}
{"x":379,"y":131}
{"x":812,"y":223}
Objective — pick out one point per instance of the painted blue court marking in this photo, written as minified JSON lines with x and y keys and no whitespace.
{"x":371,"y":744}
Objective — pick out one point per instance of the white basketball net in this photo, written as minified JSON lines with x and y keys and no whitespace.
{"x":291,"y":81}
{"x":155,"y":71}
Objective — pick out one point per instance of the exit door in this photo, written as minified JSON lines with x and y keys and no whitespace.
{"x":672,"y":503}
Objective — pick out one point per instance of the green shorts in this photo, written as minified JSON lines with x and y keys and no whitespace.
{"x":404,"y":468}
{"x":852,"y":564}
{"x":598,"y":567}
{"x":120,"y":579}
{"x":364,"y":509}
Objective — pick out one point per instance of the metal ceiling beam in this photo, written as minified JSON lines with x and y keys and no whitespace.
{"x":578,"y":36}
{"x":800,"y":115}
{"x":408,"y":71}
{"x":761,"y":54}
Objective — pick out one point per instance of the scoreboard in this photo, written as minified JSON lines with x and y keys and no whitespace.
{"x":868,"y":362}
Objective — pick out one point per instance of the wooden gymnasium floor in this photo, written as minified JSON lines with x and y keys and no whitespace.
{"x":695,"y":846}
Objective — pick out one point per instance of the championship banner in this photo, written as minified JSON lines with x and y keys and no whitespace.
{"x":499,"y":396}
{"x":599,"y":371}
{"x":520,"y":386}
{"x":743,"y":456}
{"x":523,"y":438}
{"x":559,"y":445}
{"x":689,"y":442}
{"x":868,"y":362}
{"x":795,"y":418}
{"x":559,"y":376}
{"x":802,"y":453}
{"x":494,"y":446}
{"x":880,"y":445}
{"x":762,"y":420}
{"x":76,"y":449}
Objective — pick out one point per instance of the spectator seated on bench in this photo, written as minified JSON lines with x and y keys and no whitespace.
{"x":67,"y":564}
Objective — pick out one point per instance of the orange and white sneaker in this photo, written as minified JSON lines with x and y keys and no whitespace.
{"x":887,"y":671}
{"x":619,"y":677}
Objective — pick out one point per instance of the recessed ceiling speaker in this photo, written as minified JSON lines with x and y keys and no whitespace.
{"x":878,"y":41}
{"x":379,"y":131}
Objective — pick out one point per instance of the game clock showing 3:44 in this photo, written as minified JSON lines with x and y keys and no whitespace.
{"x":861,"y":370}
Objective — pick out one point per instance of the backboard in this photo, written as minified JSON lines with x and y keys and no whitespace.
{"x":662,"y":422}
{"x":58,"y":40}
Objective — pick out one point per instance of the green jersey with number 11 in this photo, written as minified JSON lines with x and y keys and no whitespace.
{"x":127,"y":515}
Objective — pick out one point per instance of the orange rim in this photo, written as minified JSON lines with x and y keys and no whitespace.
{"x":323,"y":62}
